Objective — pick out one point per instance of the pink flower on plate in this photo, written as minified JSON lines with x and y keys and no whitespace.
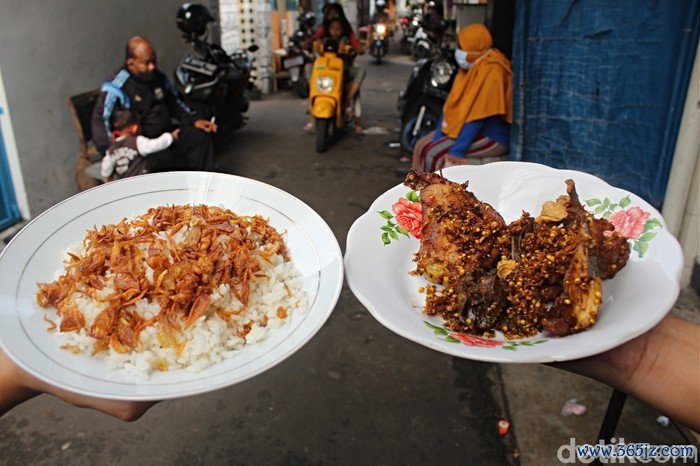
{"x":409,"y":216}
{"x":629,"y":223}
{"x":471,"y":340}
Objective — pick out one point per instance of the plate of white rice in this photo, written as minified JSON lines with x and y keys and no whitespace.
{"x":104,"y":331}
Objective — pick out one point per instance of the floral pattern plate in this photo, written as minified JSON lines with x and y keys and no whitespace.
{"x":382,"y":242}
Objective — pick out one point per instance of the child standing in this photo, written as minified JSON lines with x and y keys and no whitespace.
{"x":127,"y":156}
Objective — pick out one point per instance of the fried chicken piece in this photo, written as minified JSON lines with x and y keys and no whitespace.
{"x":612,"y":249}
{"x":597,"y":255}
{"x":457,"y":250}
{"x":458,"y":229}
{"x":555,"y":278}
{"x":550,"y":272}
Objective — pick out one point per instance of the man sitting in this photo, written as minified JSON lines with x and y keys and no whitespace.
{"x":143,"y":88}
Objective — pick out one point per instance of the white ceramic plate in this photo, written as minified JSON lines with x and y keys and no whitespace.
{"x":35,"y":254}
{"x":633,"y":302}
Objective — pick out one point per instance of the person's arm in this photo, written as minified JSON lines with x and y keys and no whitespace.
{"x":12,"y":392}
{"x":438,"y":129}
{"x":320,"y":32}
{"x":355,"y":43}
{"x":178,"y":108}
{"x":107,"y":167}
{"x":465,"y":138}
{"x":16,"y":386}
{"x":147,"y":146}
{"x":184,"y":114}
{"x":660,"y":368}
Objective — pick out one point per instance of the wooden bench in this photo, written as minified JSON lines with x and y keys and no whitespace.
{"x":87,"y":167}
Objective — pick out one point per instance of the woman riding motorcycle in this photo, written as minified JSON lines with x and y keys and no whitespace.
{"x":355,"y":74}
{"x":478,"y":111}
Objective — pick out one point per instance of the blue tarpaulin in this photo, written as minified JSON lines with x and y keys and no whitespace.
{"x":9,"y":211}
{"x":599,"y":86}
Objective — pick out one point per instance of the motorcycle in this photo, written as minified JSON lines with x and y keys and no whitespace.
{"x":428,"y":41}
{"x":213,"y":83}
{"x":296,"y":59}
{"x":423,"y":46}
{"x":409,"y":27}
{"x":420,"y":104}
{"x":327,"y":93}
{"x":379,"y":42}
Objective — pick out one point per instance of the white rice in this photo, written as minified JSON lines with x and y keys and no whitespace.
{"x":211,"y":339}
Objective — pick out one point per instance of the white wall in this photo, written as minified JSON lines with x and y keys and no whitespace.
{"x":681,"y":208}
{"x":50,"y":50}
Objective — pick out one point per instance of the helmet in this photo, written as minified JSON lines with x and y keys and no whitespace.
{"x":192,"y":18}
{"x":307,"y":20}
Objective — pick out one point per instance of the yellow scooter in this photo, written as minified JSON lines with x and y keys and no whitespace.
{"x":327,"y":92}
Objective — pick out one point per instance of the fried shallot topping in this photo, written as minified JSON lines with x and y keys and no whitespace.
{"x":214,"y":247}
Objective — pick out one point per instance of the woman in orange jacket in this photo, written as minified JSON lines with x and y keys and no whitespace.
{"x":478,"y":111}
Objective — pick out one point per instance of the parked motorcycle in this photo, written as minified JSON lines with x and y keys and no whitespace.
{"x":429,"y":39}
{"x":296,"y":59}
{"x":423,"y":45}
{"x":420,"y":104}
{"x":327,"y":93}
{"x":409,"y":27}
{"x":379,"y":42}
{"x":212,"y":83}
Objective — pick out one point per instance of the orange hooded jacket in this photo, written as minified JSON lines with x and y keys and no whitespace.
{"x":482,"y":91}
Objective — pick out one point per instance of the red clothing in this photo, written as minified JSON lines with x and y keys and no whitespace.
{"x":321,"y":32}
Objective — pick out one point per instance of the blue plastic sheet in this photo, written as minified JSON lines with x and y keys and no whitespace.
{"x":9,"y":211}
{"x":599,"y":86}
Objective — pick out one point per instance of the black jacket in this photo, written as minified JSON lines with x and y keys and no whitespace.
{"x":156,"y":103}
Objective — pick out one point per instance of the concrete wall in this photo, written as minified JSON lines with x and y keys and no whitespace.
{"x":470,"y":14}
{"x":50,"y":50}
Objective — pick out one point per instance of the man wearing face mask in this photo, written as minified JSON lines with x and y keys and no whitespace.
{"x":142,"y":87}
{"x":478,"y":111}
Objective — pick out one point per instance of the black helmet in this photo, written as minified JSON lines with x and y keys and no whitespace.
{"x":192,"y":18}
{"x":307,"y":20}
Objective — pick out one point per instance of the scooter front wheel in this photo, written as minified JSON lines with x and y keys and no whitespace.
{"x":323,"y":134}
{"x":428,"y":124}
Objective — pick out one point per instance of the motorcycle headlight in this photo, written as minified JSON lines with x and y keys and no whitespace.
{"x":325,"y":83}
{"x":381,"y":29}
{"x":441,"y":72}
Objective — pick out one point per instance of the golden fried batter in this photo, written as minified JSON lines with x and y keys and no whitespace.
{"x":550,"y":270}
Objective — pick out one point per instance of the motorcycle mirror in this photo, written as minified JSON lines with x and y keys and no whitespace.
{"x":253,"y":48}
